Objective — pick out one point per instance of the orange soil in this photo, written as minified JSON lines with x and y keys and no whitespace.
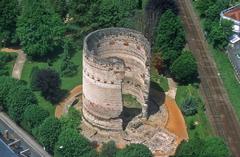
{"x":60,"y":107}
{"x":176,"y":123}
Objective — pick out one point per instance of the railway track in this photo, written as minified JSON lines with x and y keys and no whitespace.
{"x":219,"y":109}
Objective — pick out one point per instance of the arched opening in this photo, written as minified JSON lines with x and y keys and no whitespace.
{"x":131,"y":108}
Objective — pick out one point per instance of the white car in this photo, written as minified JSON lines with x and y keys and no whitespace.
{"x":238,"y":55}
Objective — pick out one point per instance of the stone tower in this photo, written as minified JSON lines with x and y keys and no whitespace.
{"x":116,"y":61}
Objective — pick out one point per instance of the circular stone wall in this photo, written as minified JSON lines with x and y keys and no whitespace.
{"x":116,"y":61}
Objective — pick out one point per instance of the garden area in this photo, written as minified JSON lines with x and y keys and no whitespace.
{"x":190,"y":102}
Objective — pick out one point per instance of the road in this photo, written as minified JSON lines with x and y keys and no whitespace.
{"x":23,"y":135}
{"x":219,"y":109}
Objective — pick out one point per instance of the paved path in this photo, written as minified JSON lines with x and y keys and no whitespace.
{"x":62,"y":107}
{"x":219,"y":109}
{"x":18,"y":66}
{"x":172,"y":88}
{"x":23,"y":135}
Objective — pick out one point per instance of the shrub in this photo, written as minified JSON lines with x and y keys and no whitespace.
{"x":34,"y":116}
{"x":189,"y":106}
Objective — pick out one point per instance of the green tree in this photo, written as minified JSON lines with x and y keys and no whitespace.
{"x":213,"y":11}
{"x":203,"y":5}
{"x":34,"y":115}
{"x":134,"y":150}
{"x":215,"y":147}
{"x":169,"y":56}
{"x":83,"y":15}
{"x":71,"y":144}
{"x":108,"y":149}
{"x":192,"y":148}
{"x":72,"y":119}
{"x":68,"y":68}
{"x":189,"y":106}
{"x":18,"y":99}
{"x":6,"y":84}
{"x":48,"y":82}
{"x":61,"y":7}
{"x":9,"y":11}
{"x":209,"y":147}
{"x":39,"y":28}
{"x":48,"y":133}
{"x":220,"y":33}
{"x":169,"y":33}
{"x":184,"y":69}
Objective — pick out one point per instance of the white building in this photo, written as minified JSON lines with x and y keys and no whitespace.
{"x":233,"y":14}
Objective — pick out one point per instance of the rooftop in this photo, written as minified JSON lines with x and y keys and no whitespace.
{"x":233,"y":13}
{"x":5,"y":150}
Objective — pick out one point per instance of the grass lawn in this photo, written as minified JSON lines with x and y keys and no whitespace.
{"x":130,"y":101}
{"x":203,"y":128}
{"x":45,"y":104}
{"x":68,"y":83}
{"x":228,"y":76}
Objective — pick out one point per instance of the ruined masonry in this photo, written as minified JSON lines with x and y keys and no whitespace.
{"x":116,"y":61}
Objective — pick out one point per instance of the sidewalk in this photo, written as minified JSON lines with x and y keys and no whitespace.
{"x":24,"y":136}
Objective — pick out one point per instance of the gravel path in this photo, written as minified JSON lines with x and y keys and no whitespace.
{"x":18,"y":66}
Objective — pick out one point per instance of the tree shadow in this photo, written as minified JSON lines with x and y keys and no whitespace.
{"x":155,"y":99}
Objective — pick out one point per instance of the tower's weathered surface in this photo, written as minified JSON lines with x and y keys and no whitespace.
{"x":116,"y":61}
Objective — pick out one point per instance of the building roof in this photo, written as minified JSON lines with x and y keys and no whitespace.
{"x":5,"y":150}
{"x":233,"y":13}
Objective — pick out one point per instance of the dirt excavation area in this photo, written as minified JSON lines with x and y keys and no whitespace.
{"x":176,"y":123}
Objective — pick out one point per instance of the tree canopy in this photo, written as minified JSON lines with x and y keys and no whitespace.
{"x":72,"y":144}
{"x":9,"y":10}
{"x":6,"y":84}
{"x":34,"y":115}
{"x":48,"y":133}
{"x":135,"y":150}
{"x":18,"y":99}
{"x":184,"y":69}
{"x":209,"y":147}
{"x":170,"y":33}
{"x":39,"y":28}
{"x":48,"y":82}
